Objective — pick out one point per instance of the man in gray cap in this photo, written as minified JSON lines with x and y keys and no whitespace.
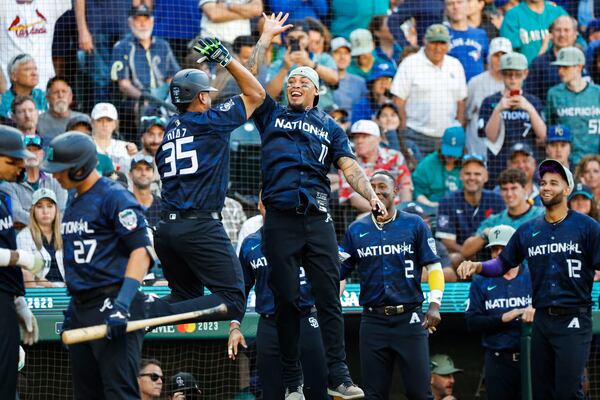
{"x":574,"y":104}
{"x":442,"y":377}
{"x":299,"y":145}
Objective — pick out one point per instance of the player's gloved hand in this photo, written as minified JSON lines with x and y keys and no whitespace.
{"x":116,"y":323}
{"x":32,"y":262}
{"x":27,"y":321}
{"x":213,"y":49}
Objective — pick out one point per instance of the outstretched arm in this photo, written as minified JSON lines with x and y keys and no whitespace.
{"x":356,"y":177}
{"x":273,"y":26}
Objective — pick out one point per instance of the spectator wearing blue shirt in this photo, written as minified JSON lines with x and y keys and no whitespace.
{"x":298,"y":55}
{"x":510,"y":116}
{"x":23,"y":74}
{"x":426,"y":12}
{"x":386,"y":47}
{"x":461,"y":212}
{"x":379,"y":83}
{"x":542,"y":74}
{"x":351,"y":88}
{"x":300,"y":9}
{"x":469,"y":45}
{"x":142,"y":61}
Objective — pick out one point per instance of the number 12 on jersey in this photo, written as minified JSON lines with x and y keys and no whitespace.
{"x":177,"y":153}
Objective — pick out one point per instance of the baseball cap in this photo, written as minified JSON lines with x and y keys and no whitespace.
{"x":520,"y":148}
{"x":569,"y":56}
{"x":183,"y":381}
{"x":141,"y":10}
{"x":593,"y":26}
{"x":513,"y":61}
{"x":79,"y":119}
{"x":559,"y":133}
{"x":500,"y":235}
{"x":118,"y":176}
{"x":500,"y":44}
{"x":362,"y":42}
{"x":581,"y":190}
{"x":33,"y":140}
{"x":437,"y":33}
{"x":381,"y":70}
{"x":555,"y":166}
{"x":442,"y":364}
{"x":365,"y":126}
{"x":414,"y":208}
{"x":339,"y":42}
{"x":467,"y":158}
{"x":142,"y":158}
{"x":104,"y":110}
{"x":453,"y":142}
{"x":149,"y":121}
{"x":43,"y":193}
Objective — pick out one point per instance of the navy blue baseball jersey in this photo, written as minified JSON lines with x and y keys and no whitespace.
{"x":517,"y":129}
{"x":193,"y":158}
{"x":298,"y":149}
{"x":100,"y":229}
{"x":11,"y":279}
{"x":562,"y":258}
{"x":256,"y":273}
{"x":489,"y":298}
{"x":389,"y":259}
{"x":457,"y":219}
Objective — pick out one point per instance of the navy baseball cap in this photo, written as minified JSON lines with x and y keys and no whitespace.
{"x":141,"y":10}
{"x":559,"y":133}
{"x":521,"y":148}
{"x":556,"y":167}
{"x":581,"y":190}
{"x":414,"y":208}
{"x":453,"y":142}
{"x":183,"y":382}
{"x":381,"y":70}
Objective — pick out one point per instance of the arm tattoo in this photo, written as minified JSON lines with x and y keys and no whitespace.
{"x":257,"y":57}
{"x":356,"y":177}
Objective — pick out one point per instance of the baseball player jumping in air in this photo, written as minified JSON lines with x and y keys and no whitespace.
{"x":299,"y":145}
{"x":15,"y":312}
{"x":390,"y":254}
{"x":193,"y":162}
{"x":561,"y":249}
{"x":107,"y":252}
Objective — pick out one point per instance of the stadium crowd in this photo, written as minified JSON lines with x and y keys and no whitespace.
{"x":459,"y":100}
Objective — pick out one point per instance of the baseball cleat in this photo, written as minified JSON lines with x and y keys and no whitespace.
{"x":347,"y":391}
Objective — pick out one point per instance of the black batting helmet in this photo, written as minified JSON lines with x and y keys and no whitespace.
{"x":74,"y":151}
{"x":186,"y":85}
{"x":11,"y":143}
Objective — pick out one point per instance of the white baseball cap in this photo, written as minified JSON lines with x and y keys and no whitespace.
{"x":361,"y":41}
{"x":500,"y":235}
{"x":43,"y":193}
{"x":365,"y":126}
{"x":104,"y":110}
{"x":500,"y":44}
{"x":339,"y":42}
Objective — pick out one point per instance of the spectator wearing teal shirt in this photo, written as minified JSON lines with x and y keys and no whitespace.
{"x":527,"y":24}
{"x":575,"y":103}
{"x":24,"y":78}
{"x":439,"y":172}
{"x":349,"y":15}
{"x":519,"y":210}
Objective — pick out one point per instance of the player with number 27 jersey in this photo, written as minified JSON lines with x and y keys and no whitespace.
{"x":193,"y":159}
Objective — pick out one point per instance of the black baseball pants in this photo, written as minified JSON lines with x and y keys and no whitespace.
{"x":9,"y":346}
{"x":502,"y":375}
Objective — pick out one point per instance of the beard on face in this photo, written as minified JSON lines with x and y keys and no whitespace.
{"x":553,"y":201}
{"x":140,"y":34}
{"x":60,"y":106}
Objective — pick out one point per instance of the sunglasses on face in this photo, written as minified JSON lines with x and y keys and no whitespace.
{"x":142,"y":157}
{"x":469,"y":157}
{"x":153,"y":376}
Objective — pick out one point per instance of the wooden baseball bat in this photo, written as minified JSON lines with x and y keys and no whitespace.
{"x":95,"y":332}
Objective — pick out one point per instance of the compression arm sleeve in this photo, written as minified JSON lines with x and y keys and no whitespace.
{"x":4,"y":257}
{"x":493,"y":268}
{"x":436,"y":282}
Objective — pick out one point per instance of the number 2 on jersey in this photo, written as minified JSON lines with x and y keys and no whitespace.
{"x":176,"y":153}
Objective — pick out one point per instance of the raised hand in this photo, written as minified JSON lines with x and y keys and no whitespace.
{"x":274,"y":24}
{"x":213,"y":50}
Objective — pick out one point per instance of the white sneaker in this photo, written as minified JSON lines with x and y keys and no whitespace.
{"x":294,"y":394}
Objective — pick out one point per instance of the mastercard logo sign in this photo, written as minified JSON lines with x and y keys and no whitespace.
{"x":186,"y":328}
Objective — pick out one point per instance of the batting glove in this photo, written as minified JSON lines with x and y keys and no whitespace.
{"x":27,"y":321}
{"x":32,"y":262}
{"x":116,"y":323}
{"x":213,"y":49}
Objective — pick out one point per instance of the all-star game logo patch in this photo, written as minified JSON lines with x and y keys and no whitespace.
{"x":431,"y":243}
{"x":128,"y":219}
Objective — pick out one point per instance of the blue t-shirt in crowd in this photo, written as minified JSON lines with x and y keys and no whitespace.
{"x":470,"y":47}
